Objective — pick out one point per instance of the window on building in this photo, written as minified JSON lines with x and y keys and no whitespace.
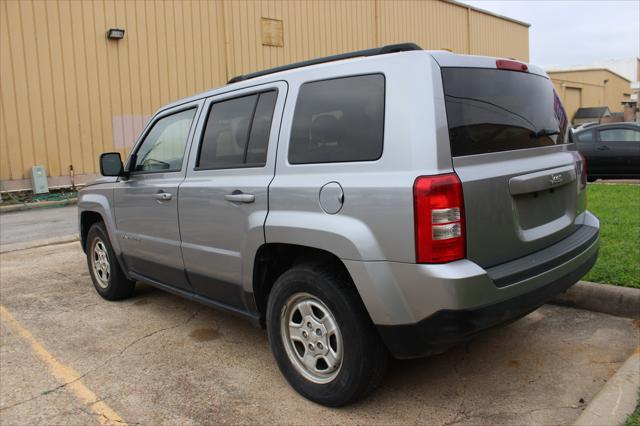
{"x":338,"y":120}
{"x":237,"y":132}
{"x":624,"y":135}
{"x":163,"y":148}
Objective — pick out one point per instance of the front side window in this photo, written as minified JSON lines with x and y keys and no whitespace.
{"x":620,"y":135}
{"x":163,"y":148}
{"x":338,"y":120}
{"x":585,"y":136}
{"x":237,"y":132}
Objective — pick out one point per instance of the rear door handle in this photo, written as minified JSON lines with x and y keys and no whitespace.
{"x":239,"y":197}
{"x":603,"y":148}
{"x":162,"y":196}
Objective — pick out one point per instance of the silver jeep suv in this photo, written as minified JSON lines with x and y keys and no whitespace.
{"x":392,"y":201}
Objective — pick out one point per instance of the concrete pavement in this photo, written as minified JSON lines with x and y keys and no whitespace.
{"x":159,"y":359}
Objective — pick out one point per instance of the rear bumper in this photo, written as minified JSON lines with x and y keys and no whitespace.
{"x":428,"y":308}
{"x":447,"y":327}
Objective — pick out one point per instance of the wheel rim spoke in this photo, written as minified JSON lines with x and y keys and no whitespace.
{"x":330,"y":325}
{"x":309,"y":360}
{"x":331,"y":359}
{"x":295,"y":332}
{"x":305,"y":308}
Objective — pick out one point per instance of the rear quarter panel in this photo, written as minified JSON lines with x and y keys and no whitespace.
{"x":376,"y":220}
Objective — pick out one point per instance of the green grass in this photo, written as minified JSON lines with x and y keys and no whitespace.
{"x":634,"y":418}
{"x":618,"y":208}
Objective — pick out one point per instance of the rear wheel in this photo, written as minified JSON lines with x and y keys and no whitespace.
{"x":322,"y":337}
{"x":107,"y":276}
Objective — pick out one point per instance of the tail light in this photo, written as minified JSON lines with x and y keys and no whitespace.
{"x":583,"y":172}
{"x":439,"y":218}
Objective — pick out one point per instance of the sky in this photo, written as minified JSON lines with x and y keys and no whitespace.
{"x":578,"y":32}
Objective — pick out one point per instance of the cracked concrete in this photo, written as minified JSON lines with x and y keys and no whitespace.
{"x":159,"y":359}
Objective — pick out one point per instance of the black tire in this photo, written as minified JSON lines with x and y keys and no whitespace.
{"x":364,"y":356}
{"x":114,"y":285}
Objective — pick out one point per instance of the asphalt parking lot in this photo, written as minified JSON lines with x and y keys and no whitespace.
{"x":22,"y":227}
{"x":159,"y":359}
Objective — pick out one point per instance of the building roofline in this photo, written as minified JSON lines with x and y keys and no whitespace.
{"x":486,"y":12}
{"x":580,"y":69}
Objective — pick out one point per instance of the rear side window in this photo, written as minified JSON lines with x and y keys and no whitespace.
{"x":237,"y":132}
{"x":260,"y":129}
{"x":585,"y":136}
{"x":490,"y":110}
{"x":338,"y":120}
{"x":622,"y":135}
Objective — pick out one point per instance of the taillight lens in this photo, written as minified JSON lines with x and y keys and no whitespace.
{"x":439,"y":218}
{"x":583,"y":171}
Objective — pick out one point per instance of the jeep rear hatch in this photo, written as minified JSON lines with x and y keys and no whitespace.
{"x":508,"y":135}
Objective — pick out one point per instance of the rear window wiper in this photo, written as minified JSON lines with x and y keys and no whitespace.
{"x":544,"y":132}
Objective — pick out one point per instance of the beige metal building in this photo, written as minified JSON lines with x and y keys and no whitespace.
{"x":68,"y":93}
{"x":590,"y":87}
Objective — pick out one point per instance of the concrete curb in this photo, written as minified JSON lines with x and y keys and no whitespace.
{"x":605,"y":298}
{"x":38,"y":205}
{"x":617,"y":399}
{"x":618,"y":181}
{"x":7,"y":248}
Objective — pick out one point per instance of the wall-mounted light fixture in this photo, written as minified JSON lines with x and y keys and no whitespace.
{"x":115,"y":33}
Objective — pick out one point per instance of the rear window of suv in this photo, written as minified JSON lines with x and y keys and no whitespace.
{"x":490,"y":110}
{"x":338,"y":120}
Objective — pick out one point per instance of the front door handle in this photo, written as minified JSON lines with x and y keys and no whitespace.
{"x":603,"y":148}
{"x":240,"y":197}
{"x":162,"y":196}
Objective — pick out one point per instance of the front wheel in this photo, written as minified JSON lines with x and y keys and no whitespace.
{"x":322,"y":337}
{"x":107,"y":276}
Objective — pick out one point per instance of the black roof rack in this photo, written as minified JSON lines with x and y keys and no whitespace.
{"x":392,"y":48}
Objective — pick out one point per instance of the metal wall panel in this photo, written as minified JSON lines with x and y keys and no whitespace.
{"x":67,"y":93}
{"x":595,"y":92}
{"x":572,"y":101}
{"x":431,"y":24}
{"x":311,"y":29}
{"x":493,"y":36}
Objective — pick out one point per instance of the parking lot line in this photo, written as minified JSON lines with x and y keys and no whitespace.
{"x":66,"y":375}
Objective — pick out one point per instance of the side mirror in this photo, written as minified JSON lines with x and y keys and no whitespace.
{"x":111,"y":164}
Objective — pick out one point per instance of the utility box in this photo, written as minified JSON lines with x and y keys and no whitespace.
{"x":39,"y":182}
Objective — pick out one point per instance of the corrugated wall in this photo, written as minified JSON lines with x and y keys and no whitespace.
{"x":432,"y":24}
{"x":67,"y":93}
{"x":311,"y":29}
{"x":489,"y":34}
